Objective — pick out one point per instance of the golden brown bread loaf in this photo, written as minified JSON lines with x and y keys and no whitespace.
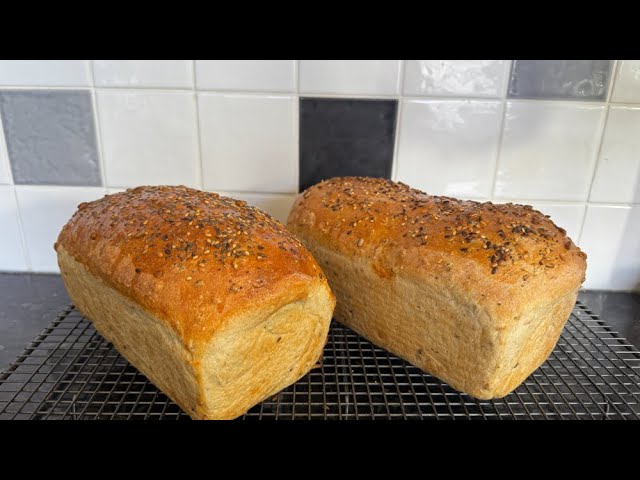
{"x":473,"y":293}
{"x":213,"y":300}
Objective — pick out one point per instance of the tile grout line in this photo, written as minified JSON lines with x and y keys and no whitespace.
{"x":296,"y":122}
{"x":96,"y":123}
{"x":612,"y":80}
{"x":398,"y":122}
{"x":124,"y":187}
{"x":4,"y":147}
{"x":200,"y":170}
{"x":496,"y":164}
{"x":542,"y":201}
{"x":233,"y":92}
{"x":23,"y":237}
{"x":625,"y":104}
{"x":250,"y":192}
{"x":45,"y":87}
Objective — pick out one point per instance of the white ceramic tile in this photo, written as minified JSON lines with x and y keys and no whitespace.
{"x":610,"y":240}
{"x":5,"y":169}
{"x":617,"y":176}
{"x":567,"y":216}
{"x":54,"y":73}
{"x":240,"y":75}
{"x":548,"y":150}
{"x":143,"y":73}
{"x":373,"y":77}
{"x":481,"y":78}
{"x":149,"y":138}
{"x":276,"y":205}
{"x":44,"y":211}
{"x":627,"y":86}
{"x":449,"y":147}
{"x":248,"y":143}
{"x":12,"y":257}
{"x":475,"y":199}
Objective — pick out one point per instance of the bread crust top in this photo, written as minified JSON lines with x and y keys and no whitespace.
{"x":189,"y":257}
{"x":507,"y":254}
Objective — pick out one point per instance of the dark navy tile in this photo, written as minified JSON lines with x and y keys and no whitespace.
{"x":560,"y":79}
{"x":50,"y":137}
{"x":28,"y":303}
{"x":620,"y":310}
{"x":340,"y":137}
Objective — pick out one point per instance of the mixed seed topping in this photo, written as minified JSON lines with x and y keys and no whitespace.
{"x":188,"y":230}
{"x":369,"y":209}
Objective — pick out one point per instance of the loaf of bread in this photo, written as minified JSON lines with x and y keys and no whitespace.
{"x":474,"y":293}
{"x":213,"y":300}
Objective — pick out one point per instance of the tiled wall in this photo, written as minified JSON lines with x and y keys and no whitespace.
{"x":563,"y":136}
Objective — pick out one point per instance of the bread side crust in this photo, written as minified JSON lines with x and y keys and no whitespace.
{"x":529,"y":341}
{"x":147,"y":342}
{"x":253,"y":356}
{"x":440,"y":330}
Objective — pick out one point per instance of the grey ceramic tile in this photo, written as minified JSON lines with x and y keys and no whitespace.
{"x":50,"y":137}
{"x":340,"y":137}
{"x":560,"y":79}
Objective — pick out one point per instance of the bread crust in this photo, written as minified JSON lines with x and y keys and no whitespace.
{"x":499,"y":264}
{"x":204,"y":267}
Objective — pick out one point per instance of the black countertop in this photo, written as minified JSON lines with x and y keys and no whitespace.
{"x":28,"y":303}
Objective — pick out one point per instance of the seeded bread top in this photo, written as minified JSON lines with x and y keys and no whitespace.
{"x":404,"y":230}
{"x":191,"y":257}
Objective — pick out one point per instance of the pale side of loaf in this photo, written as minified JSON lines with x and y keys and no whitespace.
{"x":213,"y":300}
{"x":473,"y":293}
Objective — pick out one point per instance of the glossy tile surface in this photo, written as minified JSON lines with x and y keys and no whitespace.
{"x":345,"y":137}
{"x":5,"y":170}
{"x":617,"y":176}
{"x":143,"y":73}
{"x":249,"y":75}
{"x":560,"y":79}
{"x":50,"y":136}
{"x":373,"y":77}
{"x":28,"y":303}
{"x":58,"y":73}
{"x":44,"y":211}
{"x":567,"y":216}
{"x":12,"y":255}
{"x":627,"y":87}
{"x":248,"y":143}
{"x":149,"y":138}
{"x":610,"y":239}
{"x":275,"y":204}
{"x":477,"y":78}
{"x":449,"y":147}
{"x":548,"y":150}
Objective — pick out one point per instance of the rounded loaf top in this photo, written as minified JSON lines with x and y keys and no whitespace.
{"x":401,"y":226}
{"x":186,"y":255}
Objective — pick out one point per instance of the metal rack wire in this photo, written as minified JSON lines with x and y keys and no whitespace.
{"x":70,"y":372}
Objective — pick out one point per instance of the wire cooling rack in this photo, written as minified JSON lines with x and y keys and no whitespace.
{"x":70,"y":372}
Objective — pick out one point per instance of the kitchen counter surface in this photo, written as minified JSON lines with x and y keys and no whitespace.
{"x":28,"y":303}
